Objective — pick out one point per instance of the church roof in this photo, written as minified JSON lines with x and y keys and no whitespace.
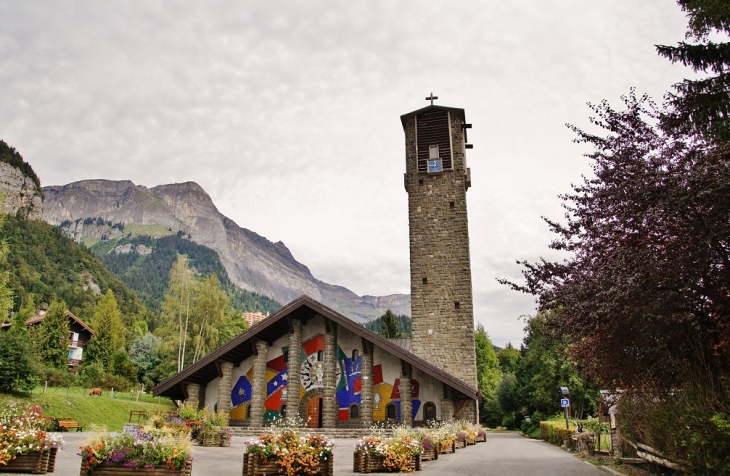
{"x":303,"y":308}
{"x":404,"y":118}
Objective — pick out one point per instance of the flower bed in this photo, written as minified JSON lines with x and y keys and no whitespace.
{"x":370,"y":463}
{"x":129,"y":453}
{"x":481,"y":436}
{"x":289,"y":452}
{"x":25,"y":446}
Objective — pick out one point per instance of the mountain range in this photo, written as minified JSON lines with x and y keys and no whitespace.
{"x":252,"y":262}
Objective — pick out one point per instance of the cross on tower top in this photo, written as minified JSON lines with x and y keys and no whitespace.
{"x":431,"y":98}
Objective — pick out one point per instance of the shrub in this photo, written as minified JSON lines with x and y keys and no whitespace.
{"x":61,"y":378}
{"x":508,"y":422}
{"x":555,"y":432}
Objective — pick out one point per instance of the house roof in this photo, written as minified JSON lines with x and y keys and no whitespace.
{"x":303,"y":308}
{"x":38,"y":318}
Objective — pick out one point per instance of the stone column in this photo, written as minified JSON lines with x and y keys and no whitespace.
{"x":258,"y":385}
{"x":225,"y":385}
{"x":293,"y":384}
{"x":447,"y":405}
{"x":366,"y":385}
{"x":193,"y":399}
{"x":406,"y":395}
{"x":329,"y":400}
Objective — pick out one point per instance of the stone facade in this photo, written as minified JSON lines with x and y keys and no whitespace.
{"x":193,"y":399}
{"x":259,"y":384}
{"x":224,"y":387}
{"x":441,"y":288}
{"x":330,"y":408}
{"x":293,"y":362}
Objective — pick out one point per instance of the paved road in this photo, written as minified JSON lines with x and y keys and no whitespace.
{"x":504,"y":454}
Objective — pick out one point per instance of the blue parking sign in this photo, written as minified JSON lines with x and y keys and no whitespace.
{"x":564,"y":402}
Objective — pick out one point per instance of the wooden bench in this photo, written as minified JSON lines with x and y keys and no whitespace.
{"x":68,"y":425}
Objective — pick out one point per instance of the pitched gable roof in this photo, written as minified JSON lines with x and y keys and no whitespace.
{"x":303,"y":308}
{"x":38,"y":318}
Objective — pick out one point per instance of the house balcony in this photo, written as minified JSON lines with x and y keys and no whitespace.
{"x":73,"y":363}
{"x":76,"y":344}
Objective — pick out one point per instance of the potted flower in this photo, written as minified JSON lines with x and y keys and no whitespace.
{"x":289,"y":452}
{"x":213,"y":431}
{"x":129,"y":453}
{"x":429,"y":444}
{"x":401,"y":453}
{"x":481,"y":435}
{"x":25,"y":446}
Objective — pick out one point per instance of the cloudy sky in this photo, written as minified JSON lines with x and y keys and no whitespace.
{"x":287,"y":113}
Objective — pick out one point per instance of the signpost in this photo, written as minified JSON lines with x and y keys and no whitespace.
{"x":565,"y":403}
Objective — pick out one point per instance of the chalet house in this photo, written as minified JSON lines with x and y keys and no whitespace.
{"x":79,"y":335}
{"x":309,"y":361}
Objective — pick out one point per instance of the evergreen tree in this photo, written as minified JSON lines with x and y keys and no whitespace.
{"x":389,"y":326}
{"x":6,"y":294}
{"x":508,"y":358}
{"x":702,"y":106}
{"x":53,"y":337}
{"x":109,"y":332}
{"x":18,"y":367}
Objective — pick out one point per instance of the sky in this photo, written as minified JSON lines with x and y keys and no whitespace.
{"x":288,"y":114}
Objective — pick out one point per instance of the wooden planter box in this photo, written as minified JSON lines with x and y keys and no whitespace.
{"x":35,"y":463}
{"x":482,"y":438}
{"x":460,"y":443}
{"x":444,"y":449}
{"x":253,"y":467}
{"x":366,"y":463}
{"x":429,"y":455}
{"x":470,"y":441}
{"x":215,"y":440}
{"x":118,"y":469}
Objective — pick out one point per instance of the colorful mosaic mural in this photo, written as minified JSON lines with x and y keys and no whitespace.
{"x":311,"y":376}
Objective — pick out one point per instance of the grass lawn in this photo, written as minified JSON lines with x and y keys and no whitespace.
{"x":93,"y":413}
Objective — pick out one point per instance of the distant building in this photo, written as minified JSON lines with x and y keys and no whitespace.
{"x":253,"y":317}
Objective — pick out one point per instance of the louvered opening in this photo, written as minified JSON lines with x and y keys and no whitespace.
{"x":433,"y":131}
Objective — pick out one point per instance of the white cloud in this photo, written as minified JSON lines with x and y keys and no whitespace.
{"x":287,"y":113}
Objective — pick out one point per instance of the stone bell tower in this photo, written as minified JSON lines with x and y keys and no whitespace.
{"x":436,"y":180}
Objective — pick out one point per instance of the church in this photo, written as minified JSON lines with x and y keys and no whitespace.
{"x":308,"y":361}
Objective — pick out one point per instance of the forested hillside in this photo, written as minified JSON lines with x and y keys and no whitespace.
{"x":145,"y":263}
{"x":404,"y":324}
{"x":45,"y":266}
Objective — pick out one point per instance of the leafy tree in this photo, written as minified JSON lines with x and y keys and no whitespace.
{"x":702,"y":106}
{"x":508,"y":395}
{"x":18,"y":367}
{"x":545,"y":366}
{"x":209,"y":313}
{"x":649,"y":242}
{"x":144,"y":355}
{"x":53,"y":336}
{"x":508,"y":358}
{"x":488,"y":377}
{"x":109,"y":332}
{"x":122,"y":366}
{"x":176,"y":310}
{"x":389,"y":326}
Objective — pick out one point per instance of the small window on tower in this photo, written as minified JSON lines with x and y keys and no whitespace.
{"x":425,"y":280}
{"x":451,"y":204}
{"x":434,"y":160}
{"x":457,"y":305}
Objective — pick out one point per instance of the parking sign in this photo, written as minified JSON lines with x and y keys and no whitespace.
{"x":564,"y":402}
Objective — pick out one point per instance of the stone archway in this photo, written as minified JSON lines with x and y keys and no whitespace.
{"x":304,"y":405}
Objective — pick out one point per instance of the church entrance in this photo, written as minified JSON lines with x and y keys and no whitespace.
{"x":314,"y":413}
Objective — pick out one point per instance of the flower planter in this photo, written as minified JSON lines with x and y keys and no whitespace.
{"x":482,"y":438}
{"x":447,"y":448}
{"x":429,"y":455}
{"x":215,"y":440}
{"x":460,"y":444}
{"x":35,"y":463}
{"x":118,"y":469}
{"x":253,"y":467}
{"x":368,"y":463}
